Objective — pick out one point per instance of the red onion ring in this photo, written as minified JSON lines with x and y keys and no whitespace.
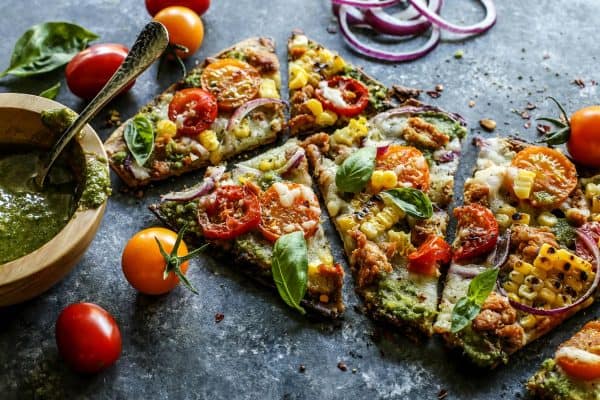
{"x":496,"y":259}
{"x":369,"y":51}
{"x":199,"y":190}
{"x":355,"y":16}
{"x":391,"y":25}
{"x":366,"y":3}
{"x":246,"y":108}
{"x":293,"y":162}
{"x":437,"y":20}
{"x":593,"y":248}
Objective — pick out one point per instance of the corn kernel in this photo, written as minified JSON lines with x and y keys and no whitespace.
{"x":298,"y":77}
{"x":507,"y":209}
{"x":514,"y":297}
{"x":215,"y":157}
{"x":523,"y":183}
{"x":516,"y":276}
{"x":504,"y":221}
{"x":333,"y":207}
{"x":523,"y":267}
{"x":313,"y":269}
{"x":547,"y":295}
{"x":511,"y":287}
{"x":402,"y":240}
{"x":547,"y":219}
{"x":266,"y":164}
{"x":521,"y":218}
{"x":539,"y":273}
{"x":528,"y":321}
{"x":208,"y":139}
{"x":596,"y":204}
{"x":268,"y":89}
{"x":526,"y":292}
{"x":165,"y":128}
{"x":346,"y":223}
{"x":369,"y":229}
{"x":325,"y":56}
{"x":315,"y":107}
{"x":377,"y":180}
{"x":592,"y":190}
{"x":337,"y":65}
{"x":574,"y":283}
{"x":242,"y":130}
{"x":326,"y":118}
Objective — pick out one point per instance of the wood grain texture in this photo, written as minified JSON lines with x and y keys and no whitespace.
{"x":30,"y":275}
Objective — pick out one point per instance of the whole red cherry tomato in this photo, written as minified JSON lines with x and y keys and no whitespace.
{"x":199,"y":6}
{"x":91,"y":68}
{"x":88,"y":337}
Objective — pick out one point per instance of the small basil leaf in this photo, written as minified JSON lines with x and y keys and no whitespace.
{"x":411,"y":201}
{"x":482,"y":285}
{"x":139,"y":137}
{"x":290,"y":268}
{"x":463,"y":313}
{"x":51,"y":92}
{"x":356,"y":170}
{"x":47,"y":46}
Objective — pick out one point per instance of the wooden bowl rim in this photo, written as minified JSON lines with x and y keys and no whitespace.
{"x":80,"y":223}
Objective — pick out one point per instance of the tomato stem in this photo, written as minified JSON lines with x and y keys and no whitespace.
{"x":561,"y":135}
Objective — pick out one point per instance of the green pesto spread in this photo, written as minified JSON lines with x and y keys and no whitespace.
{"x":59,"y":119}
{"x":481,"y":350}
{"x":97,"y":183}
{"x":28,"y":217}
{"x":445,"y":125}
{"x":401,"y":299}
{"x":550,"y":382}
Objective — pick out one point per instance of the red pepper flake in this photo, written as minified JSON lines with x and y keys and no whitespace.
{"x":543,"y":129}
{"x":219,"y":317}
{"x":579,"y":82}
{"x":342,"y":366}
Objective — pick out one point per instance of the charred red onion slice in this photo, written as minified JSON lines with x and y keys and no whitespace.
{"x":496,"y":259}
{"x":246,"y":108}
{"x":293,"y":162}
{"x":593,"y":248}
{"x":437,"y":20}
{"x":199,"y":190}
{"x":140,"y":173}
{"x":383,"y":22}
{"x":370,"y":51}
{"x":366,"y":3}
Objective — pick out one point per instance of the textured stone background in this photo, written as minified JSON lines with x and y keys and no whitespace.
{"x":172,"y":346}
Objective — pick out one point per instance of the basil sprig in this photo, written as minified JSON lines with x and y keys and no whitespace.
{"x":51,"y":92}
{"x":47,"y":46}
{"x":139,"y":137}
{"x":411,"y":201}
{"x":356,"y":170}
{"x":290,"y":268}
{"x":467,"y":308}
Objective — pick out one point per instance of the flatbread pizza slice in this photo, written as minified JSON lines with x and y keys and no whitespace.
{"x":325,"y":91}
{"x":249,"y":215}
{"x":525,"y":253}
{"x":225,"y":106}
{"x":574,"y":371}
{"x":387,"y":183}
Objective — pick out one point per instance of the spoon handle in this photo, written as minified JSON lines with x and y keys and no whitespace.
{"x":149,"y":45}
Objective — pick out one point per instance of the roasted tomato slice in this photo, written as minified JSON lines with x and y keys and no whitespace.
{"x":344,"y":96}
{"x":193,"y":111}
{"x":427,"y":258}
{"x":477,"y":231}
{"x":233,"y":82}
{"x":408,"y":163}
{"x":229,"y":212}
{"x":555,"y":176}
{"x":580,"y":356}
{"x":288,"y":207}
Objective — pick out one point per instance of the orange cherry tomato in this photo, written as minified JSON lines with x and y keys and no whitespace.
{"x":185,"y":28}
{"x":409,"y":165}
{"x":584,"y":141}
{"x":300,"y":211}
{"x":555,"y":175}
{"x":144,"y":265}
{"x":232,"y":82}
{"x":199,"y":6}
{"x":587,"y":339}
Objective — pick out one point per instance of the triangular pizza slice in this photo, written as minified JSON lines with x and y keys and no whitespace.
{"x":247,"y":212}
{"x":227,"y":105}
{"x":387,"y":183}
{"x":325,"y":91}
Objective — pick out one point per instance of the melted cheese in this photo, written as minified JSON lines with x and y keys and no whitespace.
{"x":333,"y":95}
{"x":573,"y":353}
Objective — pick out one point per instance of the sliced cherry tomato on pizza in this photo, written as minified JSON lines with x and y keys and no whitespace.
{"x":580,"y":356}
{"x":232,"y":82}
{"x":408,"y":163}
{"x":230,"y":211}
{"x":477,"y":231}
{"x":193,"y":111}
{"x":555,"y":176}
{"x":288,"y":207}
{"x":344,"y":96}
{"x":427,"y":258}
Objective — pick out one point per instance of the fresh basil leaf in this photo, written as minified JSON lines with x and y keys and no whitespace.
{"x":356,"y":170}
{"x":463,"y":313}
{"x":47,"y":46}
{"x":51,"y":92}
{"x":482,"y":285}
{"x":411,"y":201}
{"x":290,"y":268}
{"x":139,"y":137}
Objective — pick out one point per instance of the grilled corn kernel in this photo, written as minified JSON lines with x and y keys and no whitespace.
{"x":516,"y":276}
{"x":528,"y":321}
{"x":315,"y":107}
{"x":208,"y":139}
{"x":268,"y":89}
{"x":333,"y":207}
{"x":539,"y":273}
{"x":511,"y":287}
{"x":215,"y":157}
{"x":325,"y":56}
{"x":504,"y":221}
{"x":520,"y":218}
{"x":523,"y":267}
{"x":526,"y":292}
{"x":165,"y":128}
{"x":547,"y":219}
{"x":370,"y":229}
{"x":534,"y":281}
{"x":560,"y":259}
{"x":313,"y":269}
{"x":298,"y":77}
{"x":547,"y":295}
{"x":346,"y":223}
{"x":381,"y":180}
{"x":326,"y":118}
{"x":266,"y":164}
{"x":403,"y":244}
{"x":242,"y":130}
{"x":514,"y":297}
{"x":507,"y":209}
{"x":523,"y":183}
{"x":592,"y":190}
{"x":574,"y":283}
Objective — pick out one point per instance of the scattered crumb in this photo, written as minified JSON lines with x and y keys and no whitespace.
{"x":525,"y":115}
{"x":471,"y":103}
{"x":219,"y":317}
{"x":442,"y":394}
{"x":354,"y":370}
{"x":579,"y":82}
{"x":530,"y":106}
{"x":301,"y":368}
{"x":488,"y":124}
{"x":434,"y":94}
{"x":342,"y":366}
{"x":543,"y":129}
{"x":527,"y":125}
{"x":459,"y":54}
{"x":332,"y":28}
{"x":403,"y":93}
{"x":546,"y":55}
{"x":113,"y":118}
{"x":439,"y":88}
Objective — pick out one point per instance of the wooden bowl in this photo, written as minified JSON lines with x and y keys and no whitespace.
{"x":34,"y":273}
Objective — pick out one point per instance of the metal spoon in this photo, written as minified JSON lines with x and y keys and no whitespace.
{"x":149,"y":45}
